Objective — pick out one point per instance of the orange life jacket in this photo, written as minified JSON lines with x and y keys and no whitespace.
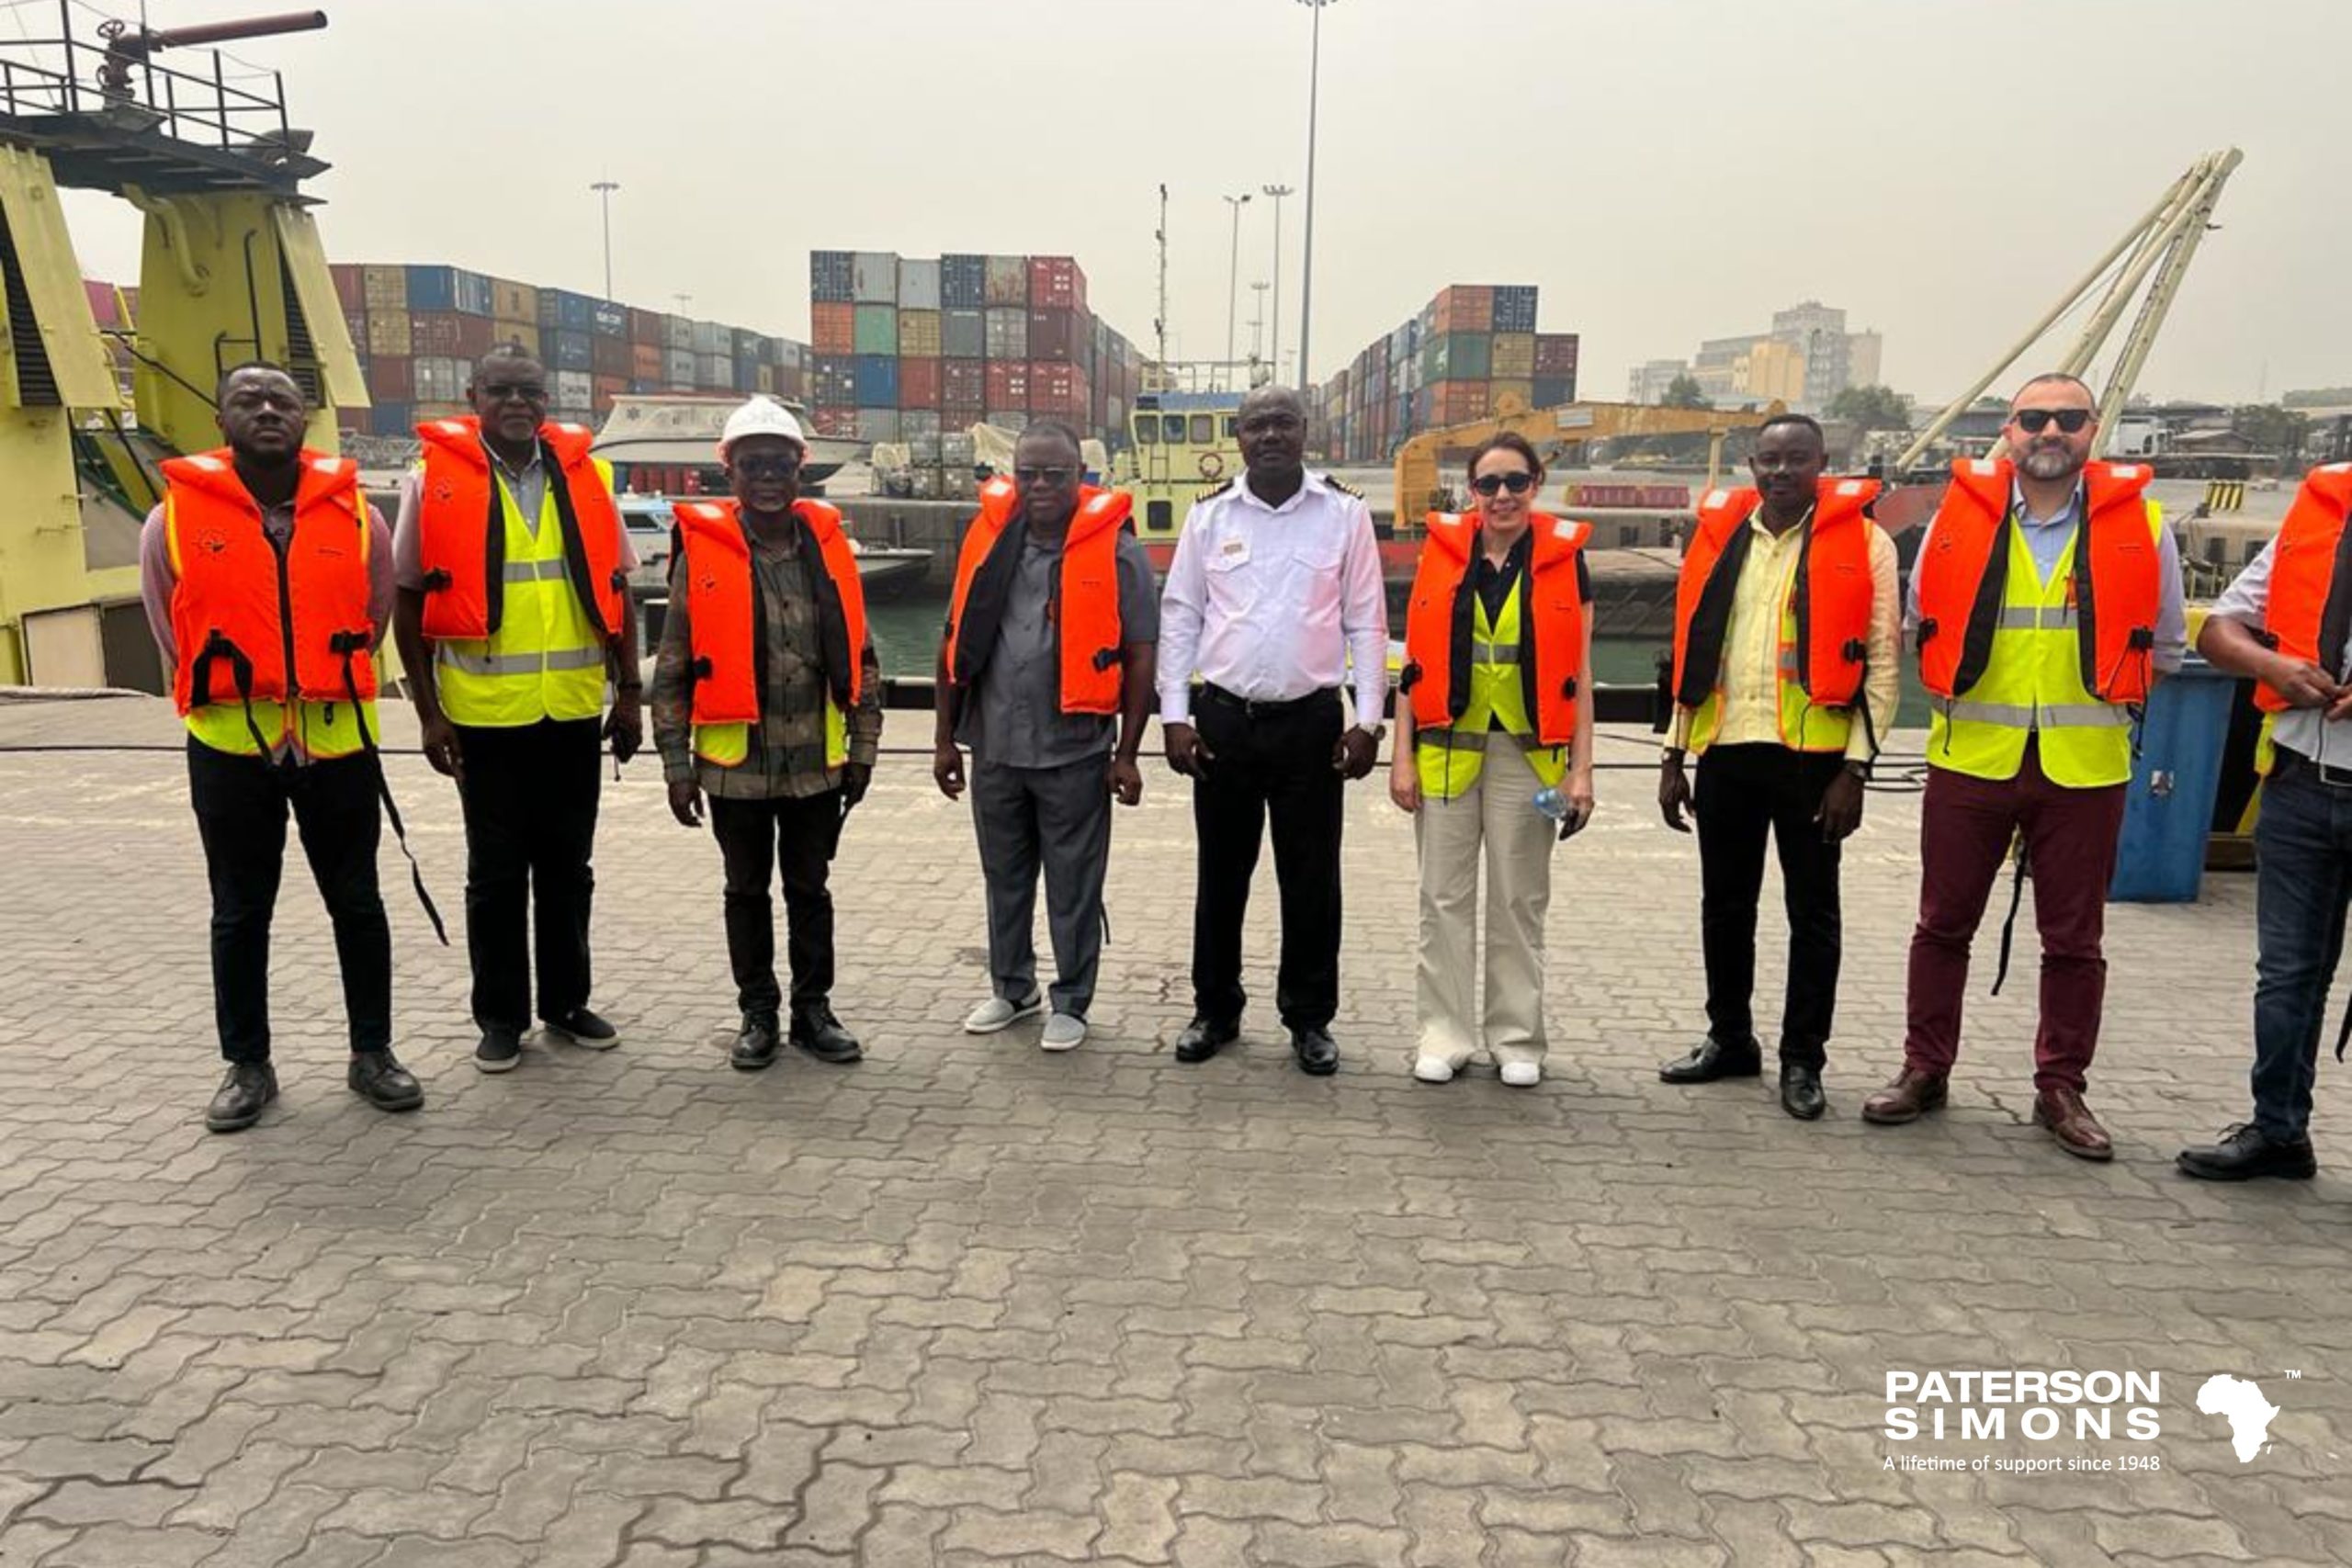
{"x":462,"y":530}
{"x":1438,"y":624}
{"x":722,"y":610}
{"x":251,"y":625}
{"x":2116,"y":589}
{"x":1087,"y":632}
{"x":1831,"y":596}
{"x":2310,"y":609}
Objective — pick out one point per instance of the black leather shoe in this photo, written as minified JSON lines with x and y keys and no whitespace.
{"x":815,"y":1030}
{"x":583,"y":1027}
{"x":756,"y":1044}
{"x":1711,"y":1059}
{"x":2247,"y":1152}
{"x":1801,"y":1094}
{"x":1317,"y":1052}
{"x":1203,"y":1039}
{"x":500,"y":1051}
{"x":243,"y":1095}
{"x":378,"y":1077}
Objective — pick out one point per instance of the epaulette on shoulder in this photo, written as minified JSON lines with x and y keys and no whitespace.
{"x":1343,"y":489}
{"x":1213,"y":494}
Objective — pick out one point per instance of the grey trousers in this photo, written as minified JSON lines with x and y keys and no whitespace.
{"x":1059,"y":818}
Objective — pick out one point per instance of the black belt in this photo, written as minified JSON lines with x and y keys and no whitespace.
{"x":1251,"y":708}
{"x":2290,"y":763}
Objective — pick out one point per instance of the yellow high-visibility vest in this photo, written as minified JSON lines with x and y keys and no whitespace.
{"x":545,"y":661}
{"x":1450,"y":759}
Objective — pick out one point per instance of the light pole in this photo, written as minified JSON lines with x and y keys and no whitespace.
{"x":1233,"y":277}
{"x":1306,"y":268}
{"x":604,"y":190}
{"x":1258,"y":323}
{"x":1275,"y":333}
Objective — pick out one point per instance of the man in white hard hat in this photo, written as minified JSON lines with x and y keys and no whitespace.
{"x":767,"y":699}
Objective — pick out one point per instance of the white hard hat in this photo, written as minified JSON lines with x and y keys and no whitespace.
{"x":761,"y":416}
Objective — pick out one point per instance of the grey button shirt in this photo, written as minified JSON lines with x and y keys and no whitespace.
{"x":1013,"y":718}
{"x":2305,"y":732}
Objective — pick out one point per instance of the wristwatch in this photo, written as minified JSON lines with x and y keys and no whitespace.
{"x":1859,"y":768}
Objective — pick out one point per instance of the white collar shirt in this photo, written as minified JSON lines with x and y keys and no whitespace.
{"x":1275,"y":603}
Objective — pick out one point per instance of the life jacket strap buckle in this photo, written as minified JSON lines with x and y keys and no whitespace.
{"x":1104,"y":658}
{"x":1409,"y":677}
{"x":436,"y":580}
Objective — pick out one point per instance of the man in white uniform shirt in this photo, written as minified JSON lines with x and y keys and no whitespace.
{"x":1275,"y":589}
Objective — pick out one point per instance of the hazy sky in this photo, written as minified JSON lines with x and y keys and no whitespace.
{"x":1667,"y":170}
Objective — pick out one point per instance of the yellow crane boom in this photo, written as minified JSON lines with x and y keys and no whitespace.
{"x":1558,"y":435}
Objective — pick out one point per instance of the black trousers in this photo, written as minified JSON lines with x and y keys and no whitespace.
{"x":241,"y":807}
{"x":1742,"y":794}
{"x":530,"y":800}
{"x":1269,"y":763}
{"x":755,"y":837}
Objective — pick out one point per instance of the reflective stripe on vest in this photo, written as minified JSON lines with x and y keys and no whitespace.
{"x":1450,"y":758}
{"x":545,"y":660}
{"x":2032,"y":689}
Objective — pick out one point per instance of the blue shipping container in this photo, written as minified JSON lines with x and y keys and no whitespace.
{"x":963,"y":282}
{"x":572,"y":350}
{"x":832,"y":276}
{"x":2169,"y":807}
{"x":473,"y":295}
{"x":1551,"y":391}
{"x":877,"y":381}
{"x":393,"y":419}
{"x":433,"y":289}
{"x":607,"y":320}
{"x":1515,"y":308}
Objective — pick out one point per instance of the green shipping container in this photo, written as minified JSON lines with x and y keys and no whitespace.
{"x":877,"y":330}
{"x":1458,"y":357}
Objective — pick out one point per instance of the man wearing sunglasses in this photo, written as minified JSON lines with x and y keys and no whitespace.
{"x":2046,"y":601}
{"x":513,"y":566}
{"x":1046,"y":672}
{"x":1786,"y":670}
{"x":1273,"y":593}
{"x":767,"y":699}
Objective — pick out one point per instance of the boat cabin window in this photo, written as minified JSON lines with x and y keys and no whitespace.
{"x":1205,"y":429}
{"x":1232,"y":428}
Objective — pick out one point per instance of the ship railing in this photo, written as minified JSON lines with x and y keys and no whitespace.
{"x":66,"y":75}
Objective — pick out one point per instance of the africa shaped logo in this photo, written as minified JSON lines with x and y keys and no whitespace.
{"x":2249,"y":1413}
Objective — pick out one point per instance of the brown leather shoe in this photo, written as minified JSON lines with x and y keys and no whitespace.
{"x":1911,"y":1095}
{"x":2071,"y":1123}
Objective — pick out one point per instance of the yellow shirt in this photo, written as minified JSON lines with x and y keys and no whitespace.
{"x":1750,"y":674}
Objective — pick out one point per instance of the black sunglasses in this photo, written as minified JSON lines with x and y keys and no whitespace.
{"x":517,"y":391}
{"x":1043,"y":476}
{"x":1519,"y":481}
{"x":2033,"y":422}
{"x":767,"y":468}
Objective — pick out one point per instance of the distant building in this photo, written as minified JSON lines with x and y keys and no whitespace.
{"x":1806,"y":360}
{"x":1649,"y":381}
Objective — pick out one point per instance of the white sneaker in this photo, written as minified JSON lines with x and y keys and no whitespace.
{"x":1523,"y":1074}
{"x":997,"y":1013}
{"x":1063,"y":1031}
{"x":1432,"y":1070}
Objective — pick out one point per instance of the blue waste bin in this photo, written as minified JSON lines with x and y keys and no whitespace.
{"x":2169,"y":809}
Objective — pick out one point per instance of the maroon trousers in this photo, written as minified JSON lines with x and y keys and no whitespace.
{"x":1965,"y":832}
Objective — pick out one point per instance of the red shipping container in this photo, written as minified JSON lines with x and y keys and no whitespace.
{"x":1458,"y":402}
{"x":391,"y":379}
{"x":963,"y":383}
{"x":645,"y":362}
{"x":833,"y":327}
{"x":1057,"y":390}
{"x":476,"y":334}
{"x":1008,"y":387}
{"x":434,"y":333}
{"x":834,"y":422}
{"x":920,"y":383}
{"x":607,"y":388}
{"x":1466,"y":307}
{"x":348,"y":291}
{"x":1556,"y":354}
{"x":1054,"y":283}
{"x":648,"y":327}
{"x":612,"y":356}
{"x":1056,"y":335}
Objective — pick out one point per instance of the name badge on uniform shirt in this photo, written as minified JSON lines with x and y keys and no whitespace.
{"x":1232,"y":551}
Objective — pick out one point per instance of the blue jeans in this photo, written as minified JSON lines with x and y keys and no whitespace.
{"x":2303,"y":846}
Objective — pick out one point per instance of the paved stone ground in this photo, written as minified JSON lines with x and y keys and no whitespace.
{"x":965,"y":1304}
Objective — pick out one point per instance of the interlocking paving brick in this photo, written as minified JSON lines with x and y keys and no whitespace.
{"x":968,"y":1304}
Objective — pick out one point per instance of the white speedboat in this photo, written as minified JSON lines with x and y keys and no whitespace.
{"x":681,"y":429}
{"x":885,"y":571}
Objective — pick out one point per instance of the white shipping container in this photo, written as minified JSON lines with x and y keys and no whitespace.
{"x":678,"y":331}
{"x":874,"y":278}
{"x":715,"y":370}
{"x":440,"y":380}
{"x":918,"y":284}
{"x":713,"y":337}
{"x":678,"y":368}
{"x":571,"y":388}
{"x":1007,"y":333}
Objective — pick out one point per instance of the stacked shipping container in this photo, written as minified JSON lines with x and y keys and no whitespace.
{"x":419,"y":328}
{"x":1465,"y":355}
{"x":907,"y":348}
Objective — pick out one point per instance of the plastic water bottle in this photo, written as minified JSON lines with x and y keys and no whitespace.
{"x":1552,"y":803}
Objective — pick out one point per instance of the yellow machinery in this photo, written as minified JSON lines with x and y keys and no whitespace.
{"x":232,"y":270}
{"x":1559,"y":436}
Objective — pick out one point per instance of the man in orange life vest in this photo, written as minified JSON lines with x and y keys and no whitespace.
{"x":767,"y":698}
{"x":2287,"y":623}
{"x":268,"y":581}
{"x":1047,"y":673}
{"x":1785,"y":672}
{"x":2046,"y":599}
{"x":514,"y":580}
